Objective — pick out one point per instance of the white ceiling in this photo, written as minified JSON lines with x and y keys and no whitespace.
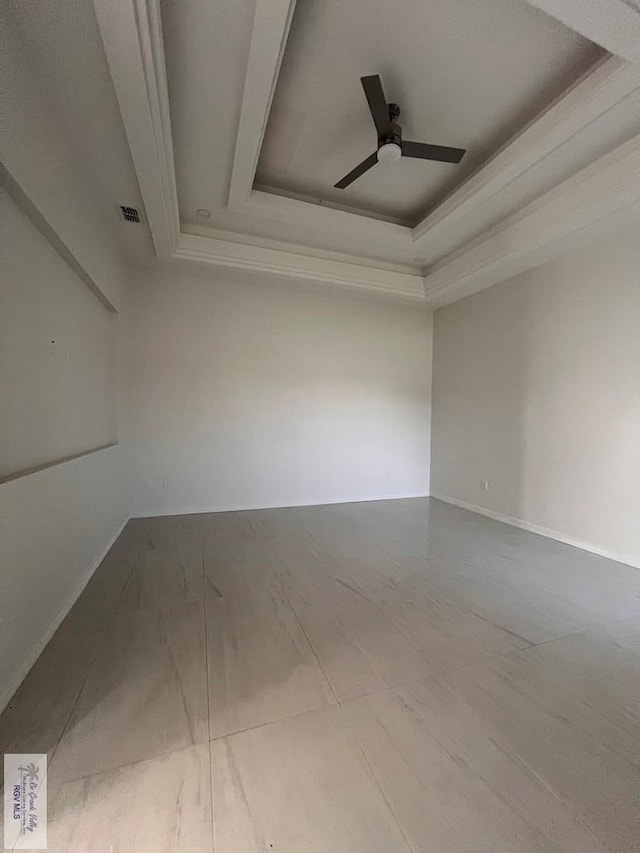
{"x":603,"y":134}
{"x":469,"y":73}
{"x":206,"y":48}
{"x":466,"y":73}
{"x":64,"y":44}
{"x":189,"y":99}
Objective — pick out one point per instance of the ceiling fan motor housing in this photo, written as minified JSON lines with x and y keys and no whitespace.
{"x":395,"y":131}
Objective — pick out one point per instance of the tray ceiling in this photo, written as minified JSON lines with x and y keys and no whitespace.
{"x":466,"y":73}
{"x":252,"y":110}
{"x":267,"y":113}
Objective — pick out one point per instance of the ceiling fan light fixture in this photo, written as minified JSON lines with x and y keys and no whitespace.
{"x":390,"y":152}
{"x":389,"y":132}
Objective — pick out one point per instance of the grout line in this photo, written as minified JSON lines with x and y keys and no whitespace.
{"x":375,"y":778}
{"x":513,"y":752}
{"x":389,"y":687}
{"x":306,"y":636}
{"x":275,"y":558}
{"x":597,"y":626}
{"x":438,"y":673}
{"x":433,"y":590}
{"x":206,"y":674}
{"x":317,"y":710}
{"x":118,"y":767}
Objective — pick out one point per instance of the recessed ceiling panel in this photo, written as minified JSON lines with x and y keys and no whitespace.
{"x":206,"y":44}
{"x":466,"y":73}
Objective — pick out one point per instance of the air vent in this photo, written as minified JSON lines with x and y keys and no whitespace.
{"x":129,"y":214}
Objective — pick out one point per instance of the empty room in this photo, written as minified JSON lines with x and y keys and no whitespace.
{"x":320,"y":426}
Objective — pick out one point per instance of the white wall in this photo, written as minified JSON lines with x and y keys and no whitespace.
{"x":246,"y":395}
{"x":537,"y":390}
{"x":35,"y":151}
{"x":57,"y":350}
{"x":56,"y":523}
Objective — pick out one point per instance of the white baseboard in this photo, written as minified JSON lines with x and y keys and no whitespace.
{"x":56,"y":621}
{"x":620,"y":557}
{"x":192,"y":510}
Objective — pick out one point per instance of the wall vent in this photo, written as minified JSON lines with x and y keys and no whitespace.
{"x":129,"y":214}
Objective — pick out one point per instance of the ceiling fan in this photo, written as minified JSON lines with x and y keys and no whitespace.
{"x":391,"y":145}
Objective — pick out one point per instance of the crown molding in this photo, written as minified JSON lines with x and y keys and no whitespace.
{"x":289,"y":265}
{"x":296,"y":249}
{"x":327,"y":219}
{"x":565,"y":217}
{"x":600,"y":88}
{"x":131,"y":33}
{"x":613,"y":24}
{"x":132,"y":36}
{"x":271,"y":24}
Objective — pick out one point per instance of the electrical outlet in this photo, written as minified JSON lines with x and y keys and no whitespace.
{"x":484,"y":485}
{"x":163,"y":482}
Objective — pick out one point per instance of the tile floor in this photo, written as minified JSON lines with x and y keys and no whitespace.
{"x":390,"y":676}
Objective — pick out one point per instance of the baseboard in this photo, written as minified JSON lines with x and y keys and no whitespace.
{"x":56,"y":621}
{"x":632,"y":560}
{"x":192,"y":510}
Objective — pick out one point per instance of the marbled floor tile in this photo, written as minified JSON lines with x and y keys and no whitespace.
{"x":145,"y":693}
{"x":453,"y":788}
{"x":228,"y":527}
{"x":171,"y":531}
{"x":163,"y":578}
{"x":609,"y":591}
{"x":537,"y":619}
{"x":261,"y":667}
{"x":623,"y":634}
{"x":299,"y":563}
{"x":403,"y":520}
{"x":571,"y":710}
{"x":359,"y":649}
{"x":534,"y":750}
{"x":281,"y":526}
{"x":604,"y":596}
{"x":589,"y":682}
{"x":237,"y":568}
{"x":447,"y":635}
{"x":182,"y":537}
{"x":300,"y":784}
{"x":162,"y":805}
{"x":97,"y":602}
{"x":36,"y":716}
{"x":136,"y":527}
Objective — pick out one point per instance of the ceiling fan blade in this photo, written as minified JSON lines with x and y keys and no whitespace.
{"x":432,"y":152}
{"x":363,"y":167}
{"x":377,"y":104}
